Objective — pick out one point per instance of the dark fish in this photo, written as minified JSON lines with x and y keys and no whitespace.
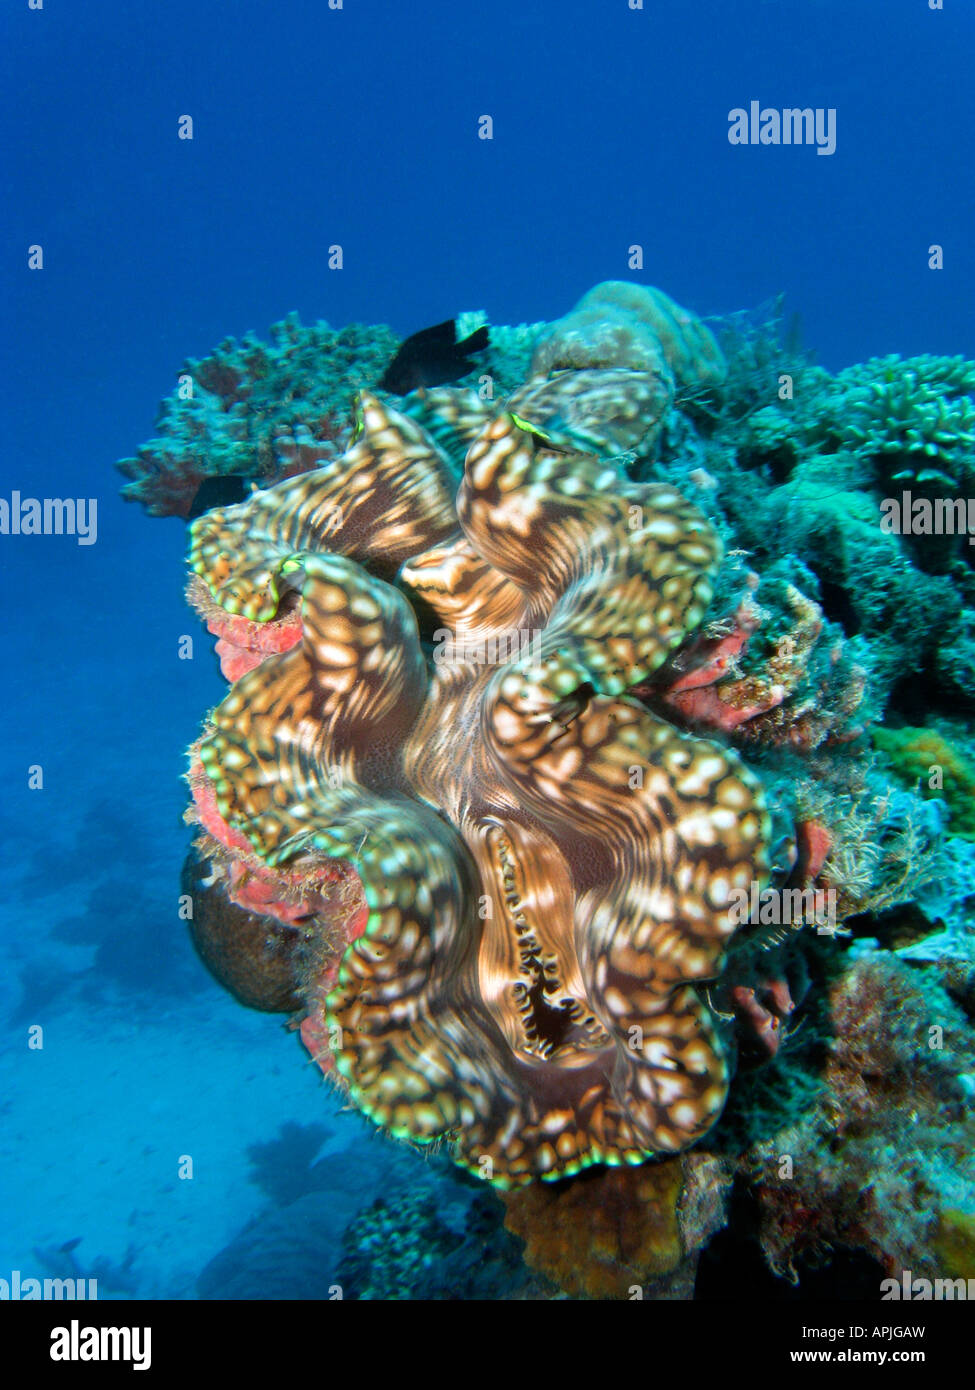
{"x":218,"y":492}
{"x":432,"y":357}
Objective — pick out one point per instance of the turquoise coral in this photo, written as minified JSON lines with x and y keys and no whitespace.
{"x":914,"y":418}
{"x":803,"y":461}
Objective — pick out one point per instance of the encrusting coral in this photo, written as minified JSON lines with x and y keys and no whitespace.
{"x":256,"y":412}
{"x":926,"y":757}
{"x":799,"y":692}
{"x":623,"y":1233}
{"x":882,"y":1160}
{"x":603,"y":1235}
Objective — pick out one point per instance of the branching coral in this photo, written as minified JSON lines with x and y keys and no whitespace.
{"x":914,"y":418}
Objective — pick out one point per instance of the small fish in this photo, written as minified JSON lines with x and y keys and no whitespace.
{"x":432,"y":357}
{"x":542,"y":439}
{"x":218,"y":492}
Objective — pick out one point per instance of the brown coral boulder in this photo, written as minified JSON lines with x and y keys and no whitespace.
{"x":617,"y":324}
{"x":604,"y":1234}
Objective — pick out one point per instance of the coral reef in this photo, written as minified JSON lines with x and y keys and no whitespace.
{"x":526,"y":680}
{"x":882,"y":1161}
{"x":611,"y":1233}
{"x":256,"y":411}
{"x":803,"y":462}
{"x":411,"y":1244}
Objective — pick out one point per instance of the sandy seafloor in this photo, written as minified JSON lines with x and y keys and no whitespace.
{"x":145,"y":1058}
{"x":100,"y":1161}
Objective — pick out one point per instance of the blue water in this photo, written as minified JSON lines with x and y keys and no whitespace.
{"x":358,"y":127}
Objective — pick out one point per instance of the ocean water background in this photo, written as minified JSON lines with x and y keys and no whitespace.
{"x":355,"y":126}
